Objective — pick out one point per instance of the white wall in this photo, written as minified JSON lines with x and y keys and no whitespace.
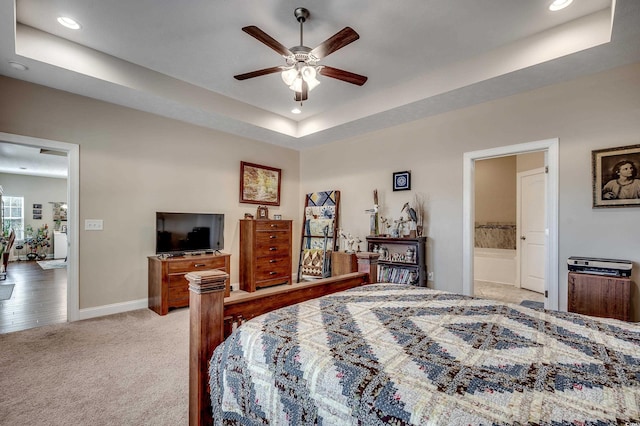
{"x":590,"y":113}
{"x":133,"y":164}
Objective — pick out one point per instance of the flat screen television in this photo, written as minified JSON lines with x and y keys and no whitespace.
{"x":189,"y":232}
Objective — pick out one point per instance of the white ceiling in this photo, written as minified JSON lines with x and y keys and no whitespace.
{"x":422,"y":57}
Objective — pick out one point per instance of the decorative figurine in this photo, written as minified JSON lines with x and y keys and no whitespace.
{"x":373,"y":221}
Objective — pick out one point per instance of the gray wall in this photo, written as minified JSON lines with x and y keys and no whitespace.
{"x":133,"y":163}
{"x":589,"y":113}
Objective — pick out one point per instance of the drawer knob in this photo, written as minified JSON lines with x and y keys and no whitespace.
{"x":273,"y":248}
{"x":272,"y":273}
{"x":199,"y":265}
{"x":273,"y":260}
{"x":272,"y":237}
{"x":273,"y":225}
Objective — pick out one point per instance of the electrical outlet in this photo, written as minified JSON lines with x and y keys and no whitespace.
{"x":430,"y":276}
{"x":93,"y":224}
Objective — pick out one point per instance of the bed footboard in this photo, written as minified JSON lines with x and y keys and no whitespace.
{"x":208,"y":310}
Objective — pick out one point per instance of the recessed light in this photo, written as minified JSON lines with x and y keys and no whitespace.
{"x":18,"y":66}
{"x":559,"y":4}
{"x":296,"y":110}
{"x":69,"y":22}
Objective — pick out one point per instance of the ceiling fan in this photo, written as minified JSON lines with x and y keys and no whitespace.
{"x":302,"y":66}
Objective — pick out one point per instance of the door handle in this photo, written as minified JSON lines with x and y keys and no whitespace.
{"x":523,"y":238}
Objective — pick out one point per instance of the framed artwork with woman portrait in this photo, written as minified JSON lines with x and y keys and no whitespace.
{"x":616,"y":182}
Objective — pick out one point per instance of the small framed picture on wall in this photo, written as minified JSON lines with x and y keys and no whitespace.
{"x":402,"y":181}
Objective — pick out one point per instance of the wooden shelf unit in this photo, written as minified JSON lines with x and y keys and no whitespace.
{"x":600,"y":295}
{"x":400,"y":271}
{"x":168,"y":287}
{"x":265,"y":253}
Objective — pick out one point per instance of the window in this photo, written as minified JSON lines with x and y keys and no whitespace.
{"x":14,"y":215}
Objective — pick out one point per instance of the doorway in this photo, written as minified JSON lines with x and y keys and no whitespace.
{"x":550,"y":257}
{"x":73,"y":159}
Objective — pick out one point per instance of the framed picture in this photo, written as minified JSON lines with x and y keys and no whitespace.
{"x":277,"y":217}
{"x":37,"y":217}
{"x":37,"y":211}
{"x":37,"y":206}
{"x":402,"y":181}
{"x":615,"y":177}
{"x":262,"y":212}
{"x":259,"y":184}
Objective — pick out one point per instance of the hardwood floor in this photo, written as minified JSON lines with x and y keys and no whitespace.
{"x":39,"y":297}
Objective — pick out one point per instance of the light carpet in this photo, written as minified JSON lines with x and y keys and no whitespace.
{"x":52,"y":264}
{"x":124,"y":369}
{"x":6,"y":290}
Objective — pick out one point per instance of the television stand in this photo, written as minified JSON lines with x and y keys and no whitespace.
{"x":168,"y":287}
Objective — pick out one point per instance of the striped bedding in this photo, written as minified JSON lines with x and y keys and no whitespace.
{"x":398,"y":354}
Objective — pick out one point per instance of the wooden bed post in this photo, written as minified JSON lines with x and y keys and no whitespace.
{"x":368,"y":263}
{"x":206,"y":305}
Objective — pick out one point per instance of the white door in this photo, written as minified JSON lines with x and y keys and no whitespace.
{"x":532,"y":227}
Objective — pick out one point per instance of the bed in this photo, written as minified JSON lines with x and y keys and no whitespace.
{"x":398,"y":354}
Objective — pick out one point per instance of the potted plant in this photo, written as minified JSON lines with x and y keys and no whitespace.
{"x":37,"y":242}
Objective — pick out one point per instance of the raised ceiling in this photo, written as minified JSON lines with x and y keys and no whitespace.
{"x":422,"y":57}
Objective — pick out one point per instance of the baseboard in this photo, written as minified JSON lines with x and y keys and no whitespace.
{"x":115,"y":308}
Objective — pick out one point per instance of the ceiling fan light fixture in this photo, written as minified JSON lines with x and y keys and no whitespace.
{"x":293,"y":78}
{"x":559,"y":5}
{"x":289,"y":76}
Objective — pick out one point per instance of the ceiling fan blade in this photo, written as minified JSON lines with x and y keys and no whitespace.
{"x":265,"y":38}
{"x":337,"y":41}
{"x":257,"y":73}
{"x":343,"y":75}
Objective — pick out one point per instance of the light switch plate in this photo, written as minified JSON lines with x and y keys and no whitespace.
{"x":93,"y":224}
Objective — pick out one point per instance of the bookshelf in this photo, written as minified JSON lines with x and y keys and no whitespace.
{"x":402,"y":260}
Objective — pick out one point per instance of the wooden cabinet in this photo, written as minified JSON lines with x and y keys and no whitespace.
{"x":168,"y":288}
{"x":265,"y":253}
{"x":600,"y":296}
{"x":403,"y":260}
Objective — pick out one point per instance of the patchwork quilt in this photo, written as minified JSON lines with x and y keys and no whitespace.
{"x":398,"y":354}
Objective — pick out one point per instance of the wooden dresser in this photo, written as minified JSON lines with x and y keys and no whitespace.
{"x":168,"y":288}
{"x":600,"y":296}
{"x":265,"y":253}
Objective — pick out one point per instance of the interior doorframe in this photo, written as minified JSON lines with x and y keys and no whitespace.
{"x":73,"y":197}
{"x":551,"y":148}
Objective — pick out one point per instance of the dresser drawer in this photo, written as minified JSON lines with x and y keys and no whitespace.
{"x":273,"y":248}
{"x":265,"y":238}
{"x":196,"y":264}
{"x":272,"y":225}
{"x":270,"y":268}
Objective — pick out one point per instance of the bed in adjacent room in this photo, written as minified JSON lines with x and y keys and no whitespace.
{"x":398,"y":354}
